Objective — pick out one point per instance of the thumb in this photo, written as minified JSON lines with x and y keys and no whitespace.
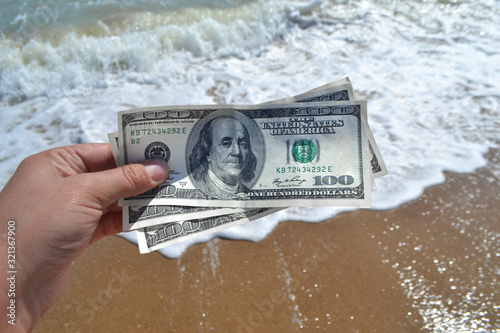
{"x":128,"y":180}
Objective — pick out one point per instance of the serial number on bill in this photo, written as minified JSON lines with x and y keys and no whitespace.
{"x":154,"y":131}
{"x":304,"y":169}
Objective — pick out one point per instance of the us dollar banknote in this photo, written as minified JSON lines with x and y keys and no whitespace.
{"x":141,"y":216}
{"x":158,"y":236}
{"x":273,"y":155}
{"x":135,"y":217}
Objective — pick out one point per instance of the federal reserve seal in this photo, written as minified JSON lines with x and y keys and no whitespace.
{"x":304,"y":151}
{"x":157,"y":151}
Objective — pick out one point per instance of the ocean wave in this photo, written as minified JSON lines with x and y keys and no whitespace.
{"x":135,"y":47}
{"x":151,"y":42}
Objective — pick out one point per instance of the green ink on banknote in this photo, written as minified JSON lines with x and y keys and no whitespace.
{"x":304,"y":151}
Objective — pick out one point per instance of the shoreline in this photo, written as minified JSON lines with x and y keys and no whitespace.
{"x":426,"y":265}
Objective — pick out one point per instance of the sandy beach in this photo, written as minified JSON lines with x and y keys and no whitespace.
{"x":430,"y":265}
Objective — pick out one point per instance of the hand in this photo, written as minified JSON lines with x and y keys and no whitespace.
{"x":62,"y":200}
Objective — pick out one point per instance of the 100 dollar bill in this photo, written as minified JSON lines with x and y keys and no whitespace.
{"x":135,"y":217}
{"x":142,"y":216}
{"x":158,"y":236}
{"x":313,"y":154}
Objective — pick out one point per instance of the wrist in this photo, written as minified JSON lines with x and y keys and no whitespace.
{"x":18,"y":313}
{"x":15,"y":317}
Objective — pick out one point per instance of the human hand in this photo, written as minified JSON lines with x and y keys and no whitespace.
{"x":62,"y":200}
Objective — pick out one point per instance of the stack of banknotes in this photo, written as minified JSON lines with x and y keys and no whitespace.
{"x":232,"y":164}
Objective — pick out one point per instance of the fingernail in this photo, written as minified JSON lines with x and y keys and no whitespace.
{"x":157,"y":170}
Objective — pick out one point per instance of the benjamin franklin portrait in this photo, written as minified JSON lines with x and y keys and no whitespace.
{"x":222,"y":163}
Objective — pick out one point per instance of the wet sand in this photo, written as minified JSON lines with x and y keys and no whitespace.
{"x":430,"y":265}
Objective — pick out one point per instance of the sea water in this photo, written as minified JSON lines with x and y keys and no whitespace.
{"x":429,"y":69}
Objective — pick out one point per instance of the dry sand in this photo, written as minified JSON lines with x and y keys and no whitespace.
{"x":430,"y":265}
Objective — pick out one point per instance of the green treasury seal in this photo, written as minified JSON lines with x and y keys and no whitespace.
{"x":304,"y":151}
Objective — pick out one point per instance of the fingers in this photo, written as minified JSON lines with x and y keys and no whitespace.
{"x":95,"y":156}
{"x":111,"y":185}
{"x":110,"y":224}
{"x":71,"y":160}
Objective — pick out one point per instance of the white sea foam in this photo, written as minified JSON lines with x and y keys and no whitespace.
{"x":429,"y":70}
